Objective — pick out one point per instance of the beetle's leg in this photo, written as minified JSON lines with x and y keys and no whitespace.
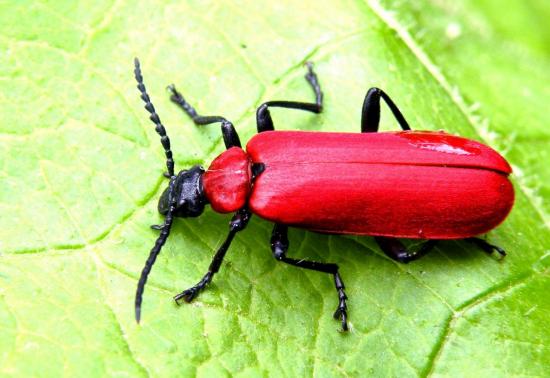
{"x":394,"y":249}
{"x":230,"y":136}
{"x":263,"y":117}
{"x":238,"y":223}
{"x":489,"y":248}
{"x":279,"y":247}
{"x":370,"y":114}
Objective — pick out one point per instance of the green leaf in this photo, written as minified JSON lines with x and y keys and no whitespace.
{"x":81,"y":170}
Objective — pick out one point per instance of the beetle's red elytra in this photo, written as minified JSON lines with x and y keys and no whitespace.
{"x":373,"y":181}
{"x":389,"y":185}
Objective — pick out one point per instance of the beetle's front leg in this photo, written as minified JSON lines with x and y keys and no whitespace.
{"x":230,"y":136}
{"x":279,"y":247}
{"x":238,"y":223}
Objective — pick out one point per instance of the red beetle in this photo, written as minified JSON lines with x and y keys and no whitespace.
{"x":406,"y":184}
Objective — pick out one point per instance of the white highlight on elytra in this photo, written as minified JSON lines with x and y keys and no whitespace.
{"x":442,"y":148}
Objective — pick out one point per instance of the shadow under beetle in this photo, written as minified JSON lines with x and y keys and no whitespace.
{"x":406,"y":184}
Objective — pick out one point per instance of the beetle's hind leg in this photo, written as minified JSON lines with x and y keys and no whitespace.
{"x":230,"y":136}
{"x":489,"y":248}
{"x":279,"y":247}
{"x":394,"y":249}
{"x":263,"y":117}
{"x":370,"y":114}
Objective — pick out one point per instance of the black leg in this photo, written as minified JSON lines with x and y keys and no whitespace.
{"x":370,"y":115}
{"x":263,"y":117}
{"x":394,"y":249}
{"x":238,"y":223}
{"x":489,"y":248}
{"x":370,"y":120}
{"x":279,"y":247}
{"x":230,"y":136}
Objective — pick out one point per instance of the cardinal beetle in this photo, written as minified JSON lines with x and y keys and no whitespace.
{"x":390,"y":185}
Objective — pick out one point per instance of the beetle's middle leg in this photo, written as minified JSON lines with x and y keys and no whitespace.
{"x":279,"y":247}
{"x":264,"y":122}
{"x":238,"y":223}
{"x":230,"y":136}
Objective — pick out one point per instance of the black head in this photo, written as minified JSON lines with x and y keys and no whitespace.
{"x":189,"y":194}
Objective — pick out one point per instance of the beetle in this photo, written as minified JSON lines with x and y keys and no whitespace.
{"x":390,"y":185}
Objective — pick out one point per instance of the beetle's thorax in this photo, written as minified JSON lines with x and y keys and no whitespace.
{"x":227,"y":182}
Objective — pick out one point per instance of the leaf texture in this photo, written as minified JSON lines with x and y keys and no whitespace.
{"x":81,"y":172}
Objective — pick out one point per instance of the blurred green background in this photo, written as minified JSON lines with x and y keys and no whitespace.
{"x":81,"y":171}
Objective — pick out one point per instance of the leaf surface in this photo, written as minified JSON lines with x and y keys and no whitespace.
{"x":81,"y":170}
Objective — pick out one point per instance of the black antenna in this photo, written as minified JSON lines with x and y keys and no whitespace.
{"x":155,"y":118}
{"x":164,"y":233}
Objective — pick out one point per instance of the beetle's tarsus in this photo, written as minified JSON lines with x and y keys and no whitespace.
{"x":158,"y":227}
{"x":177,"y":98}
{"x":264,"y":121}
{"x":312,"y":79}
{"x":187,"y":295}
{"x":341,"y":314}
{"x":487,"y":247}
{"x":230,"y":136}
